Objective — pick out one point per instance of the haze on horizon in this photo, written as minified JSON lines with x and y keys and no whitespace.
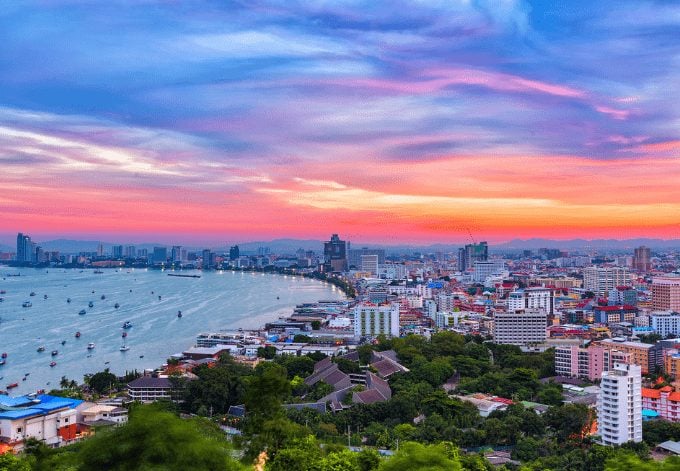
{"x":390,"y":122}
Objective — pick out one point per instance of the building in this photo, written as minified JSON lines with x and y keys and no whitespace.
{"x":176,"y":253}
{"x":117,"y":251}
{"x":234,"y":252}
{"x":622,"y":295}
{"x":586,"y":363}
{"x":614,"y":314}
{"x":335,"y":254}
{"x":208,"y":259}
{"x":601,"y":280}
{"x":665,"y":323}
{"x":485,"y":269}
{"x":25,"y":249}
{"x":645,"y":355}
{"x":666,"y":293}
{"x":130,"y":251}
{"x":664,"y":402}
{"x":523,"y":328}
{"x":150,"y":388}
{"x":642,"y":259}
{"x":371,"y":320}
{"x":369,"y":264}
{"x":49,"y":419}
{"x":354,"y":256}
{"x":103,"y":414}
{"x":619,"y":405}
{"x":160,"y":255}
{"x":532,"y":298}
{"x":472,"y":253}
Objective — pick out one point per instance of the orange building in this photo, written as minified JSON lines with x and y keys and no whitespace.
{"x":647,"y":356}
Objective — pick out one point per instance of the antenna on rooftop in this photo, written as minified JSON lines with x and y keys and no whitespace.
{"x":470,"y":234}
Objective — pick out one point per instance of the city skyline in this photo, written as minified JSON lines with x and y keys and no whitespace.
{"x":195,"y":122}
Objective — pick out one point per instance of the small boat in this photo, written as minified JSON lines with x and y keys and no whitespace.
{"x":63,"y":342}
{"x":12,"y":385}
{"x":90,"y":346}
{"x":179,"y":314}
{"x":55,"y":353}
{"x":78,"y":334}
{"x":159,"y":297}
{"x":4,"y":355}
{"x":127,"y":324}
{"x":27,"y":304}
{"x":141,"y":356}
{"x":3,"y":292}
{"x":124,"y":348}
{"x":124,"y":334}
{"x":68,"y":300}
{"x":2,"y":362}
{"x":82,"y":312}
{"x":32,"y":293}
{"x":116,"y":305}
{"x":53,"y":364}
{"x":23,"y":379}
{"x":90,"y":304}
{"x":41,"y":349}
{"x":45,"y":297}
{"x":98,"y":272}
{"x":103,"y":297}
{"x":40,"y":391}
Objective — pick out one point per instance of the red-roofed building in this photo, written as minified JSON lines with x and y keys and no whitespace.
{"x":615,"y":314}
{"x":664,"y":401}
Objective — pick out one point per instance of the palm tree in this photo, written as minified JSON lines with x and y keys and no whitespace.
{"x":64,"y":383}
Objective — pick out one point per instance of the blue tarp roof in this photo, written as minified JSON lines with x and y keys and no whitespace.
{"x":25,"y":406}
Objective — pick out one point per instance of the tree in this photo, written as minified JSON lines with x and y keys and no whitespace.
{"x":302,"y":338}
{"x":627,"y":461}
{"x":155,"y":439}
{"x":268,"y":352}
{"x":103,"y":381}
{"x":316,"y":325}
{"x":568,"y":421}
{"x":9,"y":462}
{"x":368,"y":459}
{"x":265,"y":392}
{"x":416,"y":457}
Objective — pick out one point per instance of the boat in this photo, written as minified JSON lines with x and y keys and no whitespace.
{"x":82,"y":312}
{"x":124,"y":348}
{"x":127,"y":324}
{"x":141,"y":356}
{"x":45,"y":297}
{"x":2,"y":362}
{"x":27,"y":304}
{"x":184,"y":276}
{"x":90,"y":346}
{"x":12,"y":385}
{"x":53,"y":364}
{"x":4,"y":355}
{"x":2,"y":299}
{"x":3,"y":292}
{"x":90,"y":304}
{"x":41,"y":349}
{"x":98,"y":272}
{"x":40,"y":391}
{"x":78,"y":334}
{"x":32,"y":293}
{"x":55,"y":352}
{"x":124,"y":334}
{"x":159,"y":297}
{"x":103,"y":297}
{"x":116,"y":305}
{"x":68,"y":300}
{"x":63,"y":342}
{"x":179,"y":314}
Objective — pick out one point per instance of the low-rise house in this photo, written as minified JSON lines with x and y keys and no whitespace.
{"x":101,"y":414}
{"x":151,"y":388}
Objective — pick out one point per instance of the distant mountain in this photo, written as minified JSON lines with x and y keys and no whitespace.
{"x":610,"y":244}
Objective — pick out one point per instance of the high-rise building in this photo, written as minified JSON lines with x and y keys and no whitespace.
{"x":100,"y":250}
{"x":647,"y":356}
{"x":523,"y":328}
{"x":234,"y":252}
{"x":619,"y":405}
{"x":483,"y":270}
{"x":622,"y":295}
{"x":130,"y":251}
{"x":335,"y":254}
{"x":160,"y":255}
{"x":143,"y":253}
{"x":587,"y":363}
{"x":117,"y":251}
{"x":601,"y":280}
{"x":532,"y":298}
{"x":176,"y":253}
{"x":642,"y":259}
{"x":371,"y":320}
{"x":208,"y":258}
{"x":354,"y":256}
{"x":666,"y":293}
{"x":472,"y":253}
{"x":25,"y":251}
{"x":369,"y":263}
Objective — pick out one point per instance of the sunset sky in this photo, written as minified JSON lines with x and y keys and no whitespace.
{"x":385,"y":122}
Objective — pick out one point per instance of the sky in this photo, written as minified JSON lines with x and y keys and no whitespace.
{"x":391,"y":122}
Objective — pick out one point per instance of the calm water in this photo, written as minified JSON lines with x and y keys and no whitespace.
{"x":215,"y":301}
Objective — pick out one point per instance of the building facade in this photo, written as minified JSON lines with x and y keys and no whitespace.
{"x":642,"y":259}
{"x":522,"y":328}
{"x":648,"y":357}
{"x":666,"y":293}
{"x":600,"y":280}
{"x":619,"y":405}
{"x":532,"y":298}
{"x":335,"y":254}
{"x":371,"y":320}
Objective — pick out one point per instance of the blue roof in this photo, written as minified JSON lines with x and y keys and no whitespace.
{"x":26,"y":406}
{"x":649,"y":413}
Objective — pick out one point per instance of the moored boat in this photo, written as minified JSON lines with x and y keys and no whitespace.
{"x":90,"y":346}
{"x":116,"y":305}
{"x":78,"y":334}
{"x":41,"y":349}
{"x":12,"y":385}
{"x":54,"y":353}
{"x":124,"y":348}
{"x":127,"y":325}
{"x":27,"y":304}
{"x":90,"y":304}
{"x":179,"y":313}
{"x":32,"y":293}
{"x":82,"y":312}
{"x":53,"y":364}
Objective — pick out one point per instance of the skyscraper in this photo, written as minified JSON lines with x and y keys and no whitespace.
{"x":642,"y":259}
{"x":24,"y":248}
{"x":160,"y":255}
{"x":600,"y":280}
{"x":666,"y":293}
{"x":335,"y":254}
{"x":117,"y":251}
{"x":472,"y":253}
{"x":234,"y":252}
{"x":176,"y":253}
{"x":619,"y":405}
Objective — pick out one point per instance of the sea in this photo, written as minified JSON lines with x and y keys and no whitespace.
{"x":149,"y":299}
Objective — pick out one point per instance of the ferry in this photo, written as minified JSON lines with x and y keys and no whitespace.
{"x":127,"y":325}
{"x":27,"y":304}
{"x":82,"y":312}
{"x":78,"y":334}
{"x":90,"y":346}
{"x":90,"y":304}
{"x":41,"y":349}
{"x":53,"y":364}
{"x":55,"y":353}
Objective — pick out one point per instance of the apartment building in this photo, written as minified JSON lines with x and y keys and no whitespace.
{"x":619,"y":405}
